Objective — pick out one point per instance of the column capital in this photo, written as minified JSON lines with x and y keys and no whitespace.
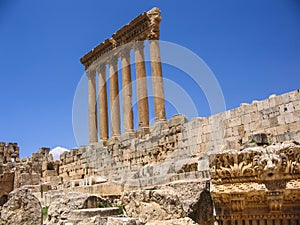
{"x":139,"y":45}
{"x":101,"y":67}
{"x":90,"y":73}
{"x":125,"y":53}
{"x":113,"y":60}
{"x":153,"y":35}
{"x":155,"y":19}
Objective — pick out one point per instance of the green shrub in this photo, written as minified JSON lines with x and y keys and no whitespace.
{"x":103,"y":205}
{"x":45,"y":213}
{"x":121,"y":209}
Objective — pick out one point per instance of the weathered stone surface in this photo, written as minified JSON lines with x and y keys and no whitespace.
{"x":64,"y":203}
{"x":95,"y":220}
{"x":258,"y":181}
{"x":152,"y":204}
{"x":125,"y":221}
{"x":83,"y":214}
{"x":182,"y":221}
{"x":22,"y":208}
{"x":195,"y":199}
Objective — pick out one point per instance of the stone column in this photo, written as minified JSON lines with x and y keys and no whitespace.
{"x":262,"y":221}
{"x":114,"y":97}
{"x":276,"y":222}
{"x":127,"y":91}
{"x":102,"y":98}
{"x":141,"y":85}
{"x":93,"y":136}
{"x":254,"y":222}
{"x":157,"y":81}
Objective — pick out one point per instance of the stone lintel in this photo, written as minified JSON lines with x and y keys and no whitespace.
{"x":145,"y":26}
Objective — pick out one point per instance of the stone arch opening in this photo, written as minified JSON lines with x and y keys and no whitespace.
{"x":96,"y":202}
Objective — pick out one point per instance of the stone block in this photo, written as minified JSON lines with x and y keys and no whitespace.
{"x":296,"y":115}
{"x":265,"y":123}
{"x":259,"y":139}
{"x":127,"y":136}
{"x":266,"y":104}
{"x":273,"y":122}
{"x":294,"y":95}
{"x":297,"y":105}
{"x":227,"y":114}
{"x":295,"y":135}
{"x":158,"y":127}
{"x":229,"y":132}
{"x":260,"y":105}
{"x":290,"y":107}
{"x":271,"y":131}
{"x":236,"y":121}
{"x":272,"y":100}
{"x":281,"y":120}
{"x":177,"y":120}
{"x":255,"y":116}
{"x":246,"y":118}
{"x":289,"y":118}
{"x":285,"y":98}
{"x":125,"y":221}
{"x":235,"y":112}
{"x":256,"y":126}
{"x":282,"y":129}
{"x":294,"y":126}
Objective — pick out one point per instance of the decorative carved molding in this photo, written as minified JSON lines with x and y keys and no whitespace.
{"x":145,"y":26}
{"x":90,"y":73}
{"x":261,"y":183}
{"x":256,"y":164}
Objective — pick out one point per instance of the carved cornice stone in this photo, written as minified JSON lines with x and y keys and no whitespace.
{"x":256,"y":164}
{"x":145,"y":26}
{"x":257,"y":183}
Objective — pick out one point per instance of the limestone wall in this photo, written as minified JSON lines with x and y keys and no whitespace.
{"x":17,"y":173}
{"x":176,"y":153}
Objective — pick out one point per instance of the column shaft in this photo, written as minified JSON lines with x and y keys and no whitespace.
{"x":157,"y":81}
{"x":103,"y":103}
{"x":127,"y":91}
{"x":114,"y":97}
{"x":93,"y":136}
{"x":141,"y":85}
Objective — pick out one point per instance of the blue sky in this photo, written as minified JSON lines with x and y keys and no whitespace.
{"x":252,"y":47}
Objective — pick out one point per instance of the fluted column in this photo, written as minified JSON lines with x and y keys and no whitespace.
{"x":114,"y":97}
{"x":127,"y":91}
{"x":157,"y":81}
{"x":93,"y":136}
{"x":102,"y":98}
{"x":141,"y":85}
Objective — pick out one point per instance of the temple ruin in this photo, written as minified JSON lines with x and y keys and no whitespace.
{"x":132,"y":36}
{"x":171,"y":172}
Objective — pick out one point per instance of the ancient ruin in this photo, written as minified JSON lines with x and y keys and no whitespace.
{"x":239,"y":167}
{"x":258,"y":185}
{"x":131,"y":36}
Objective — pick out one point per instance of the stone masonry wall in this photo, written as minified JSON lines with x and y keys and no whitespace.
{"x":20,"y":172}
{"x":176,"y":153}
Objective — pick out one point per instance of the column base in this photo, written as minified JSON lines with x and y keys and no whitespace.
{"x":159,"y":126}
{"x":128,"y":135}
{"x":113,"y":140}
{"x":142,"y":132}
{"x":103,"y":142}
